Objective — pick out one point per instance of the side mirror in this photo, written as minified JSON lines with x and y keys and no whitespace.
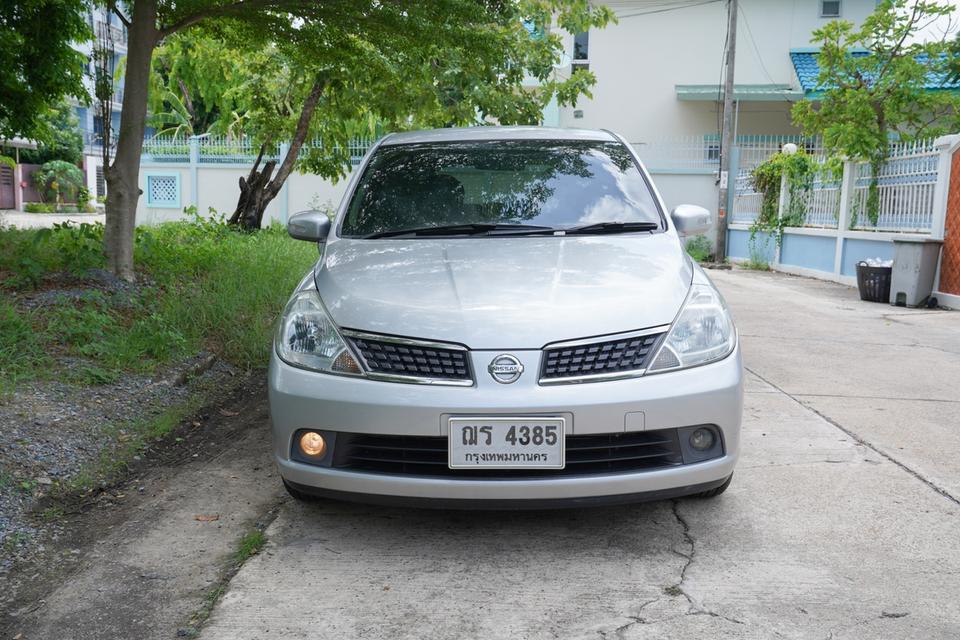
{"x":313,"y":226}
{"x":690,"y":220}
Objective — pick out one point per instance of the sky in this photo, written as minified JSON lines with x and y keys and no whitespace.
{"x":935,"y":31}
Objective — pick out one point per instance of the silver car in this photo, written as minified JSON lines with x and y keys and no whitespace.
{"x":504,"y":317}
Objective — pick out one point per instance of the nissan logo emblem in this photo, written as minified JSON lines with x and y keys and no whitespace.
{"x":505,"y":369}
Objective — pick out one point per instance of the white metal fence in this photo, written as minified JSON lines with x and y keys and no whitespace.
{"x":905,"y":190}
{"x":222,"y":150}
{"x":747,"y":201}
{"x":822,"y":202}
{"x":904,"y":201}
{"x":685,"y":153}
{"x":702,"y":152}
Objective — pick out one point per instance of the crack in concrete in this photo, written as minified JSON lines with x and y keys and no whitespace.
{"x":856,"y":438}
{"x":695,"y":608}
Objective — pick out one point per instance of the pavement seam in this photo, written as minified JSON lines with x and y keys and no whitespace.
{"x":856,"y":397}
{"x":932,"y":485}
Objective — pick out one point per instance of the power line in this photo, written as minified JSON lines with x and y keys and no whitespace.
{"x":756,"y":50}
{"x":667,"y":8}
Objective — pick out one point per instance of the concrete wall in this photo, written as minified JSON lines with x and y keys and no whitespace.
{"x":639,"y":62}
{"x":217,"y":187}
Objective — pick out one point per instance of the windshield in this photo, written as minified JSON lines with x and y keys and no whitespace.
{"x":557,"y":184}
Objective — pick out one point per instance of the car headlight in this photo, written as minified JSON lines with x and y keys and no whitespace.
{"x":307,"y":337}
{"x":702,"y":333}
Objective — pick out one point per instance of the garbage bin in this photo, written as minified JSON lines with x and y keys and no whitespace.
{"x":914,"y":269}
{"x":873,"y":281}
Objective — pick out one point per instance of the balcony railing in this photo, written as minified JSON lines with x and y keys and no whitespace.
{"x":107,"y":31}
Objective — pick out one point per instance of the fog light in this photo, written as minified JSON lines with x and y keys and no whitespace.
{"x":312,"y":444}
{"x":701,"y":439}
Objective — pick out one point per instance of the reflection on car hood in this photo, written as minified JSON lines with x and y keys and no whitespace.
{"x":504,"y":293}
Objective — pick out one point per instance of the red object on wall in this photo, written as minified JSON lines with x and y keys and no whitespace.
{"x":950,"y":260}
{"x":29,"y":193}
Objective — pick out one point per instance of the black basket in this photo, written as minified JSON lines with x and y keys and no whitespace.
{"x":873,"y":282}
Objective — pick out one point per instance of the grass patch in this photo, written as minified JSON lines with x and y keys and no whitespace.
{"x":209,"y":287}
{"x":249,"y":546}
{"x":756,"y":265}
{"x":129,"y":439}
{"x":699,"y":249}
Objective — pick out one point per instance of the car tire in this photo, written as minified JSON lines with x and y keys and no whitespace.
{"x":298,"y":495}
{"x":713,"y":493}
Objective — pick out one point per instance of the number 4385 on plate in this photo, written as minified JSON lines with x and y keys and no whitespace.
{"x":506,"y":443}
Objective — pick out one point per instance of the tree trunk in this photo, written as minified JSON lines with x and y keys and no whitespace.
{"x":257,"y":190}
{"x":123,"y":175}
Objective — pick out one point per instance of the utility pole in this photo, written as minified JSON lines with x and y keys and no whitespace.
{"x":726,"y":136}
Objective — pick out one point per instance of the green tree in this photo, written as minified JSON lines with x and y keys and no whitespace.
{"x":59,"y":180}
{"x":396,"y":59}
{"x":875,"y":81}
{"x":62,"y":139}
{"x":194,"y":84}
{"x":40,"y":67}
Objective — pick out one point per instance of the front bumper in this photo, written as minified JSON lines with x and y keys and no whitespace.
{"x":711,"y":394}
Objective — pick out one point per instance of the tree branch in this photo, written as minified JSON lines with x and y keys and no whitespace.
{"x":300,"y":134}
{"x":212,"y":12}
{"x":116,"y":11}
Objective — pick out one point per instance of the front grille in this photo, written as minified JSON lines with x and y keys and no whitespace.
{"x":585,"y":455}
{"x":411,"y":360}
{"x":598,"y":358}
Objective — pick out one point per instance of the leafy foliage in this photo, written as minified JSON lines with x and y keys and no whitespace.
{"x":58,"y":180}
{"x":798,"y":171}
{"x":699,"y":248}
{"x":62,"y":139}
{"x":40,"y":65}
{"x":200,"y":274}
{"x":382,"y":67}
{"x":874,"y":81}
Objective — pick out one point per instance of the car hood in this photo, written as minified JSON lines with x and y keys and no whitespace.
{"x":504,"y":293}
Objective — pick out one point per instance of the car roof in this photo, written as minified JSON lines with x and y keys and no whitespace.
{"x":458,"y":134}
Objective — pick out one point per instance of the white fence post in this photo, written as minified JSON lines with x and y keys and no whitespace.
{"x":847,"y":183}
{"x":945,"y":146}
{"x":781,"y":205}
{"x":194,"y":171}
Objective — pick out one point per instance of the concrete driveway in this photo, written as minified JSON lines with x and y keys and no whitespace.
{"x":842,"y":520}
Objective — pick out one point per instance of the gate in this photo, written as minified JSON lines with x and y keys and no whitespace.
{"x":7,"y":195}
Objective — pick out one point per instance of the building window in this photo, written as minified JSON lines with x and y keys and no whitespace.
{"x":163,"y":190}
{"x":713,"y":151}
{"x":581,"y":46}
{"x":829,"y":8}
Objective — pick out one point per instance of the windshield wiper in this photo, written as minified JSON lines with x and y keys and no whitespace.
{"x":611,"y":227}
{"x":474,"y":228}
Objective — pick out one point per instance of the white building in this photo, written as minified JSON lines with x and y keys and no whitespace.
{"x":659,"y":70}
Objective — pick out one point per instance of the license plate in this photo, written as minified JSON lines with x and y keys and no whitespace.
{"x":506,"y":443}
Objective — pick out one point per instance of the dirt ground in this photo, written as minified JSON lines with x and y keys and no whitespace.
{"x":145,"y":558}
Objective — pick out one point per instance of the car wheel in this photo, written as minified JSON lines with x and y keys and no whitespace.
{"x":297,"y":494}
{"x":713,"y":493}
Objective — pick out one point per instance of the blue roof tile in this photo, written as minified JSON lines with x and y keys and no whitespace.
{"x":808,"y":70}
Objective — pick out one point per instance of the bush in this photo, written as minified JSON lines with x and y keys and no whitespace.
{"x":39,"y":207}
{"x":699,"y":248}
{"x":58,"y":180}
